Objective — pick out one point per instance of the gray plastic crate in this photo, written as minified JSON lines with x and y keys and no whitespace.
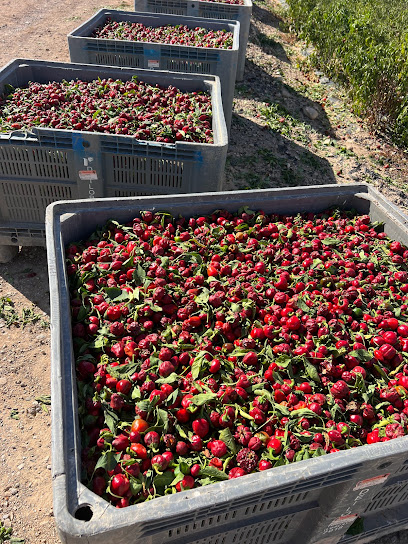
{"x":45,"y":165}
{"x":207,"y":10}
{"x":155,"y":56}
{"x":380,"y":526}
{"x":312,"y":501}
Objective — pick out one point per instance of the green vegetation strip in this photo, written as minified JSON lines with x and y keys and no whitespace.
{"x":364,"y":45}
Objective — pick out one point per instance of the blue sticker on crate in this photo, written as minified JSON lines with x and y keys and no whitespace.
{"x":77,"y":142}
{"x":153,"y":53}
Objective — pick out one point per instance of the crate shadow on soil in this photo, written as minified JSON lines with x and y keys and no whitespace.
{"x":28,"y":274}
{"x":268,"y":45}
{"x":259,"y":158}
{"x":266,"y":16}
{"x":261,"y":85}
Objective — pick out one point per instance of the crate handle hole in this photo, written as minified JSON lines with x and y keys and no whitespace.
{"x":14,"y":240}
{"x":385,"y":465}
{"x":85,"y":143}
{"x":84,"y":512}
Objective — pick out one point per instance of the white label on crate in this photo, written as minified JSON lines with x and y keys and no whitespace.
{"x":371,"y":482}
{"x":88,"y":175}
{"x":153,"y":63}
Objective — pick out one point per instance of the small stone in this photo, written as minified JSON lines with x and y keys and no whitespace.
{"x":20,"y":467}
{"x":7,"y":523}
{"x":311,"y":113}
{"x":324,"y":80}
{"x":13,"y":491}
{"x":49,"y":467}
{"x":3,"y":381}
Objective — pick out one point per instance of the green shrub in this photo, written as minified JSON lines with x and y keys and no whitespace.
{"x":364,"y":45}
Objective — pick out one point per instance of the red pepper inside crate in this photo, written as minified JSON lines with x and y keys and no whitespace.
{"x":134,"y":108}
{"x":170,"y":34}
{"x":213,"y":347}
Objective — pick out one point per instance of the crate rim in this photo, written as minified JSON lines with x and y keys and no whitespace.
{"x":105,"y":11}
{"x":247,"y":3}
{"x":212,"y":81}
{"x":219,"y":493}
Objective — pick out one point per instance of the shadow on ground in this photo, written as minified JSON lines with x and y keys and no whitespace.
{"x":27,"y":273}
{"x":260,"y":85}
{"x":259,"y":158}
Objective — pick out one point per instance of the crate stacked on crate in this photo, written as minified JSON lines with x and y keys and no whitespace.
{"x":237,"y":10}
{"x":313,"y":501}
{"x":41,"y":165}
{"x":219,"y":61}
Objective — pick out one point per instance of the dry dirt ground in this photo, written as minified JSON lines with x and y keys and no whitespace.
{"x":274,"y":142}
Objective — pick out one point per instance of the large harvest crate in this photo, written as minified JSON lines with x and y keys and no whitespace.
{"x":208,"y":10}
{"x":85,"y":49}
{"x":313,"y":501}
{"x":44,"y":165}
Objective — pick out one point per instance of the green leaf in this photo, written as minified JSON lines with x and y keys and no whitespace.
{"x":114,"y":294}
{"x":361,"y":354}
{"x":181,"y":431}
{"x":311,"y":371}
{"x":111,"y":418}
{"x":102,"y":462}
{"x":139,"y":275}
{"x":197,"y":364}
{"x":203,"y":297}
{"x":121,"y":372}
{"x":82,"y":314}
{"x":99,"y":342}
{"x":144,"y":405}
{"x":330,"y":241}
{"x":244,"y":414}
{"x":226,"y":436}
{"x":164,"y":480}
{"x":381,"y":372}
{"x":173,"y":377}
{"x":177,"y":479}
{"x":214,"y":473}
{"x":135,"y":485}
{"x":108,"y":460}
{"x":203,"y":398}
{"x":163,"y":418}
{"x":283,"y":360}
{"x":301,"y":304}
{"x":303,"y":412}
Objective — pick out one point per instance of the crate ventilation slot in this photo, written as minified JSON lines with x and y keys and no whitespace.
{"x":391,"y":495}
{"x":25,"y":162}
{"x":177,"y":8}
{"x":263,"y":533}
{"x":115,"y":59}
{"x":27,"y":201}
{"x":128,"y":170}
{"x":218,"y":12}
{"x":189,"y":66}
